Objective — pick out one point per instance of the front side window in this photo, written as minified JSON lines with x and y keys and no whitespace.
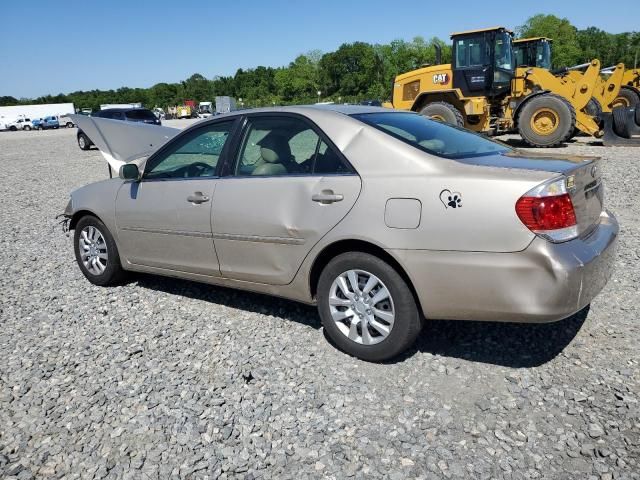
{"x":543,"y":55}
{"x":195,"y":155}
{"x":285,"y":146}
{"x":431,"y":136}
{"x":504,"y":50}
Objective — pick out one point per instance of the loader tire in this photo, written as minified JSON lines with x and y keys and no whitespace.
{"x":443,"y":112}
{"x":594,"y":108}
{"x":546,"y":120}
{"x":637,"y":115}
{"x":620,"y":125}
{"x":628,"y":97}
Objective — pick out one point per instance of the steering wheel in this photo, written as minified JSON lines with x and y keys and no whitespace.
{"x":197,"y":169}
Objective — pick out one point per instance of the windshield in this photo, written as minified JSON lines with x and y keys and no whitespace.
{"x":504,"y":51}
{"x":543,"y":55}
{"x":431,"y":136}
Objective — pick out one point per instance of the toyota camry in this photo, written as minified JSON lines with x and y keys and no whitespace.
{"x":379,"y":217}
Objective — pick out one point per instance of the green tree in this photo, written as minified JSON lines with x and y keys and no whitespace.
{"x":566,"y":50}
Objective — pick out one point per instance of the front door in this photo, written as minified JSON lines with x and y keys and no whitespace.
{"x":287,"y":189}
{"x":164,"y":220}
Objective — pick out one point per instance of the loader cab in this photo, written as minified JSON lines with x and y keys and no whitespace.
{"x":533,"y":52}
{"x":483,"y":63}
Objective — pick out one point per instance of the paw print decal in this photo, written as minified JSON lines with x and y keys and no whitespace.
{"x":451,"y":199}
{"x":454,"y":201}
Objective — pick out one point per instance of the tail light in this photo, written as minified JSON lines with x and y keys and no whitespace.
{"x":547,"y":210}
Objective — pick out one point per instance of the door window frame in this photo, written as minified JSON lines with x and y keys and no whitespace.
{"x":228,"y":168}
{"x":188,"y":135}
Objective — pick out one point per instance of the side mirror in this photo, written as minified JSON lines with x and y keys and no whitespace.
{"x":129,"y":171}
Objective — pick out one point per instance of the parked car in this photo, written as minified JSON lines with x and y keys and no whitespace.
{"x":19,"y":124}
{"x":46,"y":123}
{"x":380,"y":217}
{"x":65,"y":121}
{"x":141,"y":115}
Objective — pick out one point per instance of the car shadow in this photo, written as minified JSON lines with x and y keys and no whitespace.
{"x":243,"y":300}
{"x":519,"y":143}
{"x":516,"y":345}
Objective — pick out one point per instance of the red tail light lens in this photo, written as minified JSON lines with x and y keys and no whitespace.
{"x":547,"y":211}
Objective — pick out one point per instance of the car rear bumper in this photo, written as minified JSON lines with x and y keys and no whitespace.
{"x":545,"y":282}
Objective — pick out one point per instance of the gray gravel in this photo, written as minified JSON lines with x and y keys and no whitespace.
{"x":163,"y":378}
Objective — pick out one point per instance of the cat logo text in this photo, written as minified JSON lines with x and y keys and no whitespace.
{"x":441,"y":78}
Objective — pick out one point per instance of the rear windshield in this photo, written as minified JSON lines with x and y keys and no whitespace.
{"x":432,"y":136}
{"x":141,"y":115}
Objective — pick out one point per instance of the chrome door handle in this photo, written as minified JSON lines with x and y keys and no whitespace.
{"x":327,"y":196}
{"x":197,"y":198}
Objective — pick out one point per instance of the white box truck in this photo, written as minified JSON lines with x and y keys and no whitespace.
{"x":225,"y":104}
{"x":10,"y":115}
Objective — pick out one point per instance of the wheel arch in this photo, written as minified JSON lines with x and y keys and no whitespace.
{"x":449,"y":96}
{"x":332,"y":250}
{"x":75,"y":218}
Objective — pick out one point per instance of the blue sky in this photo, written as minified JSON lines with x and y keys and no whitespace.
{"x":62,"y":46}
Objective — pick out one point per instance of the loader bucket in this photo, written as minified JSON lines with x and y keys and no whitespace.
{"x":621,"y":128}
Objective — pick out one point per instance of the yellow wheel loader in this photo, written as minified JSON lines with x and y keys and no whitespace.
{"x":536,"y":52}
{"x":483,"y":91}
{"x":613,"y":91}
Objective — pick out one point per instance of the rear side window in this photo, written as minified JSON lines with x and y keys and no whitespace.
{"x":432,"y":136}
{"x":471,"y":52}
{"x":276,"y":146}
{"x":140,"y":115}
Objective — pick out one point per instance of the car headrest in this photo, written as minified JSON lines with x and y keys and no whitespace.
{"x":274,"y":149}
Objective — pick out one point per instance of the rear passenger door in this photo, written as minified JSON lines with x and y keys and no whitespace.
{"x":287,"y":187}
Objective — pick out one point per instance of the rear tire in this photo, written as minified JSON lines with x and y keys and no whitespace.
{"x":627,"y":97}
{"x":546,"y":120}
{"x":27,"y":128}
{"x":443,"y":112}
{"x":375,"y":321}
{"x":69,"y":125}
{"x":96,"y":252}
{"x":83,"y":142}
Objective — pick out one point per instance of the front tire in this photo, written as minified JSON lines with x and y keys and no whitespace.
{"x":627,"y":97}
{"x":546,"y":120}
{"x":366,"y":307}
{"x":443,"y":112}
{"x":69,"y":125}
{"x":96,"y":252}
{"x":83,"y":142}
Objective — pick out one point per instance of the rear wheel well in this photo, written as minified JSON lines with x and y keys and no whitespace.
{"x":448,"y":97}
{"x":78,"y":215}
{"x":344,"y":246}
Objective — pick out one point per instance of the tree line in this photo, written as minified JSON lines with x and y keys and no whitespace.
{"x":354,"y":72}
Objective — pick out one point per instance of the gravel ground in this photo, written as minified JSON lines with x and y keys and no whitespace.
{"x":162,"y":378}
